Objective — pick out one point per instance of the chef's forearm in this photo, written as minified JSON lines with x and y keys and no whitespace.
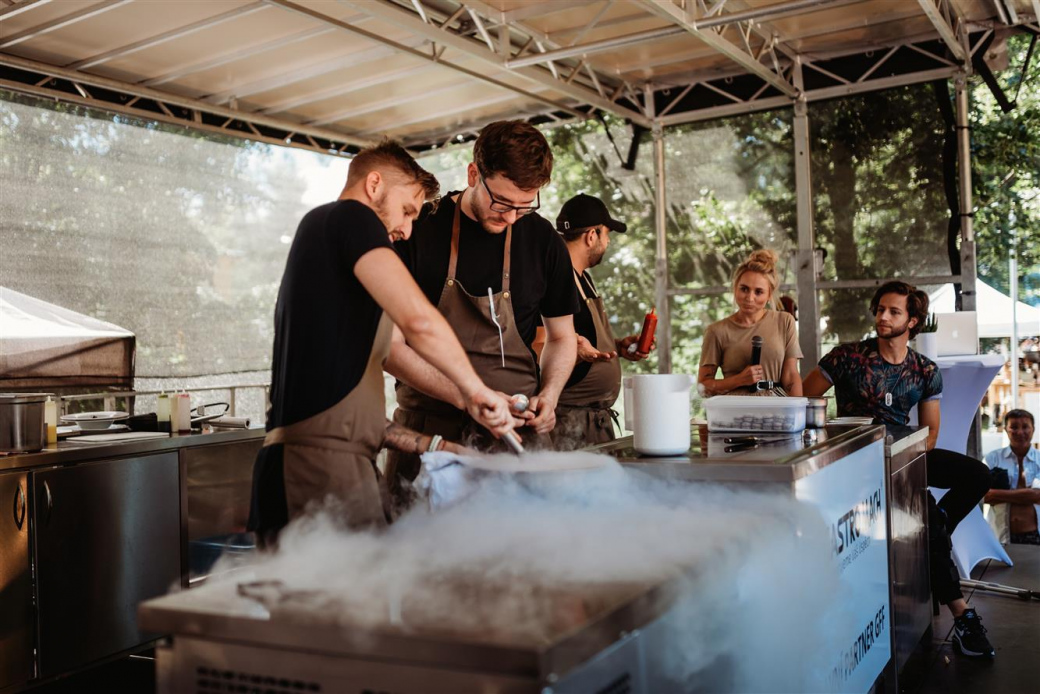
{"x":558,"y":358}
{"x":405,"y":364}
{"x":400,"y":438}
{"x":1013,"y":496}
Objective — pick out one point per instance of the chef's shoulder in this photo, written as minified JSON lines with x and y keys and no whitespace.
{"x":345,"y":228}
{"x":540,"y":230}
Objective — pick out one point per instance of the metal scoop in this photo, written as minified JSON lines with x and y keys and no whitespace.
{"x":519,"y":405}
{"x":513,"y":441}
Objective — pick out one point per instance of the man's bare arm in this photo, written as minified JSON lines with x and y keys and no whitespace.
{"x":1013,"y":496}
{"x":928,"y":415}
{"x":405,"y":364}
{"x":558,"y":358}
{"x":401,"y":438}
{"x":815,"y":384}
{"x":388,"y":281}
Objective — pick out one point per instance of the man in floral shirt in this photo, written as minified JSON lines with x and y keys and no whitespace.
{"x":883,"y":378}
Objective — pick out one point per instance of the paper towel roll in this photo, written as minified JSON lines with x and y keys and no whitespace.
{"x":230,"y":422}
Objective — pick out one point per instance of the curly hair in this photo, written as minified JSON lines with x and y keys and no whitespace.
{"x":916,"y":302}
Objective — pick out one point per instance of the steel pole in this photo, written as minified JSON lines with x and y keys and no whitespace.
{"x":1013,"y":270}
{"x":808,"y":305}
{"x":664,"y":314}
{"x":968,"y":265}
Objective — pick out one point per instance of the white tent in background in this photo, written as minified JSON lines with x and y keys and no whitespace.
{"x":994,"y":311}
{"x":46,"y":346}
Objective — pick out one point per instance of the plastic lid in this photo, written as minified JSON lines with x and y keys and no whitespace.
{"x":751,"y":402}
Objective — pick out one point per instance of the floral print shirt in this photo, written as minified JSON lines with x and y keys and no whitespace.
{"x":868,"y":386}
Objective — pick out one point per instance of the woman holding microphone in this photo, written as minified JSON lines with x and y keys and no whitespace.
{"x":756,"y":347}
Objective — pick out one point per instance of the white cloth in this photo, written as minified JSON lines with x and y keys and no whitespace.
{"x":973,"y":540}
{"x":1006,"y":460}
{"x":965,"y":380}
{"x":444,"y":481}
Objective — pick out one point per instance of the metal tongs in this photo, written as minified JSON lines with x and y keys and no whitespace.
{"x":511,"y":439}
{"x":494,"y":319}
{"x":749,"y":443}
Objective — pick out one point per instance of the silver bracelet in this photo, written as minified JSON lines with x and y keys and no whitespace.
{"x":435,"y":441}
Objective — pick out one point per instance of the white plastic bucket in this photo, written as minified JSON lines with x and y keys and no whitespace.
{"x":657,"y":410}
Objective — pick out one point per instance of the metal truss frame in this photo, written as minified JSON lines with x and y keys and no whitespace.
{"x":473,"y":38}
{"x":764,"y":99}
{"x":943,"y":17}
{"x":749,"y":48}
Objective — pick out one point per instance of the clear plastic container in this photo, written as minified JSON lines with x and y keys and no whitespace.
{"x":759,"y":414}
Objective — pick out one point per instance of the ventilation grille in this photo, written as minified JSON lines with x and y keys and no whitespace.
{"x":621,"y":685}
{"x":213,"y":680}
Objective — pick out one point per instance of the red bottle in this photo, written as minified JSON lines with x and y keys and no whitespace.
{"x":646,"y":337}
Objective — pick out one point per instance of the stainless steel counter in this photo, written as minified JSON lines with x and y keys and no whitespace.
{"x":782,"y":459}
{"x":91,"y":530}
{"x":282,"y":624}
{"x":899,"y":440}
{"x":68,"y":451}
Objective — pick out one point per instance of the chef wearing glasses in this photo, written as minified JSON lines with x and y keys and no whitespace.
{"x":496,"y":270}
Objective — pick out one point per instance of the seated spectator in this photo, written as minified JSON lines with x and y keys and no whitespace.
{"x":1021,"y":463}
{"x":883,"y":378}
{"x":727,"y":343}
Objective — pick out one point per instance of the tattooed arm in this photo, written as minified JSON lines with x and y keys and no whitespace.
{"x":403,"y":439}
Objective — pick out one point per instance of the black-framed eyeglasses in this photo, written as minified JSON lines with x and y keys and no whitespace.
{"x":502,"y":206}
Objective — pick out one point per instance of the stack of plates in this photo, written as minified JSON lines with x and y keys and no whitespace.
{"x":94,"y":421}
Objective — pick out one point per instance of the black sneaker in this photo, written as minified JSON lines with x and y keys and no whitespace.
{"x":970,"y":636}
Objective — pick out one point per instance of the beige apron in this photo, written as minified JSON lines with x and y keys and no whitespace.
{"x":470,"y":318}
{"x":333,"y":452}
{"x":583,"y":415}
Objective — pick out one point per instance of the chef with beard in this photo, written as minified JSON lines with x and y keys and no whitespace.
{"x":583,"y":413}
{"x":344,"y":299}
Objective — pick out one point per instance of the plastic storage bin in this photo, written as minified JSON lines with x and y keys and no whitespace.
{"x":751,"y":413}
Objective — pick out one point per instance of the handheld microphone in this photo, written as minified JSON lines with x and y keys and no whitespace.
{"x":756,"y":350}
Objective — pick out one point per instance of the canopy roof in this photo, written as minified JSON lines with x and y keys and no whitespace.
{"x":43,"y":345}
{"x":994,"y":311}
{"x":335,"y":75}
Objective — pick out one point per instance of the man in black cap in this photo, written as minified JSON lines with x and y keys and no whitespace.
{"x":583,"y":414}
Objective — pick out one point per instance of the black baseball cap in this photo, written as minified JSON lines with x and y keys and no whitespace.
{"x":583,"y":211}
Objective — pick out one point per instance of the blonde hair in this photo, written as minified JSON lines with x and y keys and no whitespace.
{"x":763,"y":262}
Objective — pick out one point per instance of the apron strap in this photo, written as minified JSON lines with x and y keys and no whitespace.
{"x":581,"y":289}
{"x":453,"y":260}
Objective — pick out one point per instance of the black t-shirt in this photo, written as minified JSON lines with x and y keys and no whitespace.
{"x":324,"y":322}
{"x":541,"y":284}
{"x":584,"y":326}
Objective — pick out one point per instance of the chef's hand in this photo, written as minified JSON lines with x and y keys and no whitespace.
{"x":752,"y":375}
{"x":544,"y":409}
{"x":490,"y":410}
{"x":624,"y":343}
{"x":519,"y":418}
{"x":586,"y":352}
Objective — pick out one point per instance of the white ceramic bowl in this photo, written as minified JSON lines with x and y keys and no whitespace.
{"x":94,"y":421}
